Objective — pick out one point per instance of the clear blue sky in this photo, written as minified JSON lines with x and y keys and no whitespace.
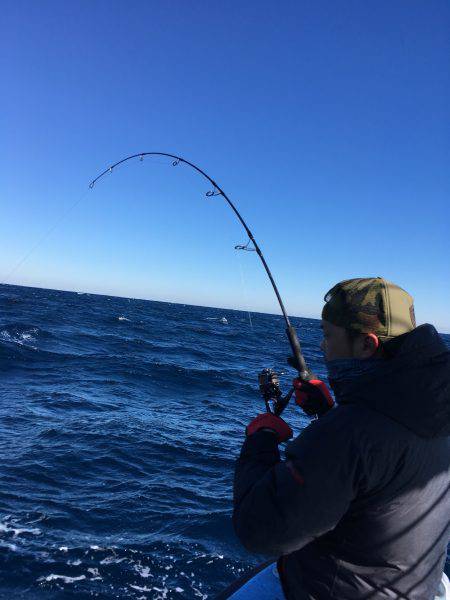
{"x":326,"y":122}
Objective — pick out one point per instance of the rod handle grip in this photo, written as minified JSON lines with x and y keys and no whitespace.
{"x":300,"y":363}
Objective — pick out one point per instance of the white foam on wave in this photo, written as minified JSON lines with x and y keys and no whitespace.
{"x":40,"y":518}
{"x":143,"y":571}
{"x":162,"y":591}
{"x":21,"y":339}
{"x":64,"y":578}
{"x":140,"y":588}
{"x":112,"y":560}
{"x":223,"y":320}
{"x":95,"y":574}
{"x":16,"y":531}
{"x":11,"y":547}
{"x":122,"y":319}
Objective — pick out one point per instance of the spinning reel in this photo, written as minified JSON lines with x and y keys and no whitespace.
{"x":269,"y":386}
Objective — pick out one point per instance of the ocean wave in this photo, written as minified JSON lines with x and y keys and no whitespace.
{"x":118,"y":440}
{"x":164,"y":570}
{"x":20,"y":334}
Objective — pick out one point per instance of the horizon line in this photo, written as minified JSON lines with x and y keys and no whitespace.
{"x":258,"y":312}
{"x":441,"y":329}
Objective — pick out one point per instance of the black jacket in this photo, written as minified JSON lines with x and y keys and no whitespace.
{"x":360,"y":507}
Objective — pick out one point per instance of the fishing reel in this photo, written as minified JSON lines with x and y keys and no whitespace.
{"x":269,"y":386}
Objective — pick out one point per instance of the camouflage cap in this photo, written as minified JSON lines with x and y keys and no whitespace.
{"x":370,"y":305}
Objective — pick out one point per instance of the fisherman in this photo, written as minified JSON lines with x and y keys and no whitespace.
{"x":359,"y":508}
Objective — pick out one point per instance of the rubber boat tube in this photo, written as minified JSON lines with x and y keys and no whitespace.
{"x":263,"y":583}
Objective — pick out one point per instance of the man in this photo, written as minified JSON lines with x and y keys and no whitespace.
{"x":360,"y":507}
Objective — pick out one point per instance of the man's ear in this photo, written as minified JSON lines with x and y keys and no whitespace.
{"x":370,"y":345}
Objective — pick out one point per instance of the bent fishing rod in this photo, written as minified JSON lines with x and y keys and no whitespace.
{"x":298,"y":359}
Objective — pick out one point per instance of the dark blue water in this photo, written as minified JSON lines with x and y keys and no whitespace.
{"x":120,"y":423}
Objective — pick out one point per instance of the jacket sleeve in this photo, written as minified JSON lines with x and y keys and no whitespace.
{"x":280,"y":506}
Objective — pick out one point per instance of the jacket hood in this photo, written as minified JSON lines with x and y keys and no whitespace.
{"x":412,"y":386}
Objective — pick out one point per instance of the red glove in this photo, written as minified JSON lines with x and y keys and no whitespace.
{"x":270,"y":421}
{"x":313,"y":396}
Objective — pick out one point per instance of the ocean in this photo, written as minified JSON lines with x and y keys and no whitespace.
{"x":120,"y":423}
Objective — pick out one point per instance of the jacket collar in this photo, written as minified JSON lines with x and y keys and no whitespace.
{"x":412,"y":386}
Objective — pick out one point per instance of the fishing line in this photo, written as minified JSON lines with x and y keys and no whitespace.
{"x":47,"y":234}
{"x":299,"y":360}
{"x":244,"y":290}
{"x":56,"y":224}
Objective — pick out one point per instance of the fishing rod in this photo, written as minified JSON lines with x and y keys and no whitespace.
{"x":298,"y":358}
